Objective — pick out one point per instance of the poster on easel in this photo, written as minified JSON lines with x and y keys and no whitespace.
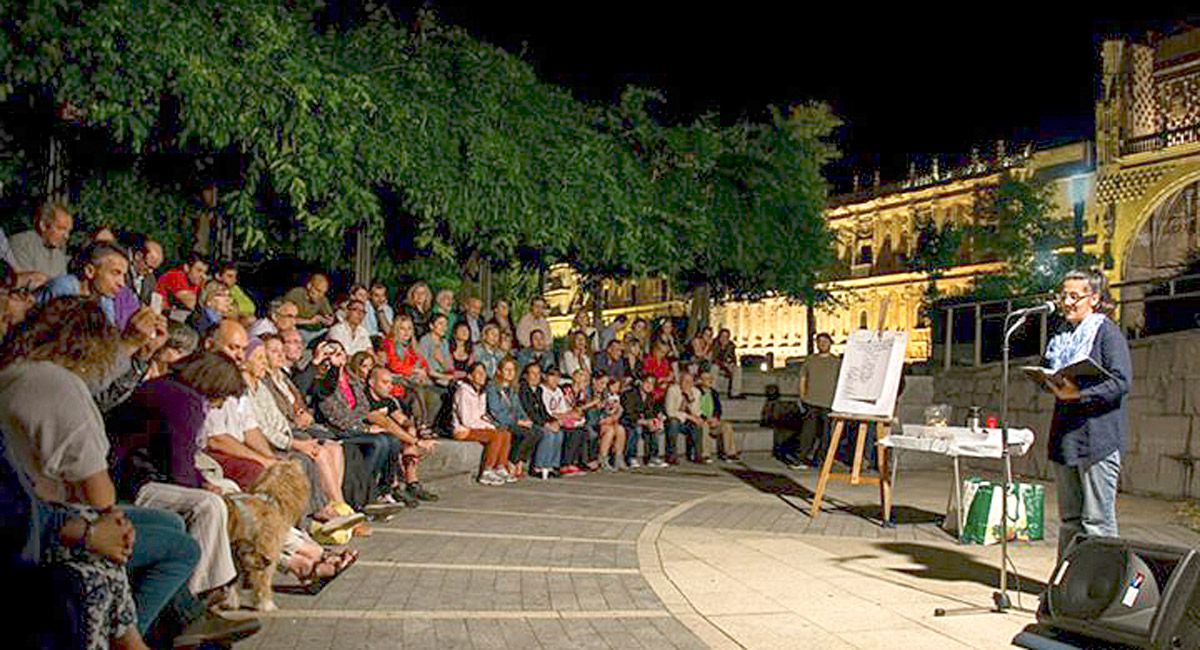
{"x":869,"y":380}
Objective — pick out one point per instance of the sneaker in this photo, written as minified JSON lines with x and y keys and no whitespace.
{"x":418,"y":492}
{"x":504,"y":474}
{"x":733,"y":458}
{"x":490,"y":478}
{"x":607,"y":466}
{"x":671,"y":460}
{"x":541,"y":472}
{"x":569,"y":470}
{"x":706,"y":460}
{"x":656,"y":462}
{"x":621,"y":465}
{"x":634,"y":463}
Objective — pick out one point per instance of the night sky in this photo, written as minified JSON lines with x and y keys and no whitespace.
{"x":910,"y":80}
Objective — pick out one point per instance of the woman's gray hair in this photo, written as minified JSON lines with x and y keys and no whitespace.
{"x":1097,"y":284}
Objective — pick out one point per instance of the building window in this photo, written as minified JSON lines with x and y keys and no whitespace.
{"x":862,"y":320}
{"x":864,"y":254}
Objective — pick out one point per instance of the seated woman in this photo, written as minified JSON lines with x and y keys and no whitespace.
{"x":505,"y":408}
{"x":156,"y":436}
{"x":471,"y":422}
{"x":322,"y":460}
{"x":345,"y":406}
{"x":181,"y":342}
{"x":586,"y":401}
{"x":547,"y":457}
{"x":70,"y":562}
{"x":658,"y":364}
{"x":359,"y":466}
{"x":410,"y":369}
{"x":57,"y":438}
{"x":436,"y":349}
{"x":612,"y":433}
{"x":578,"y":356}
{"x":462,"y":352}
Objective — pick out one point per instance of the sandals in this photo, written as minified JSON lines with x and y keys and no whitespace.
{"x":335,"y":564}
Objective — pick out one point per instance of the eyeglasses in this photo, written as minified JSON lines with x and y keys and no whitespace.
{"x":1071,"y":297}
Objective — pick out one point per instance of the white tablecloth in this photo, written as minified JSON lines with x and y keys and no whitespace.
{"x":959,"y":441}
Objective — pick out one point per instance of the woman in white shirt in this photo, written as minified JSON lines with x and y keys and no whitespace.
{"x":578,"y":357}
{"x":472,"y":422}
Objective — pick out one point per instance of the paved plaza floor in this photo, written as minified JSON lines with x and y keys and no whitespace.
{"x":722,"y":556}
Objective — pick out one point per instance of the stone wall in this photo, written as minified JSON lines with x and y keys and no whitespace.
{"x":1164,"y":412}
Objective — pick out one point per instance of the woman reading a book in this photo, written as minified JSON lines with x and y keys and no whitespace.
{"x":1089,"y":429}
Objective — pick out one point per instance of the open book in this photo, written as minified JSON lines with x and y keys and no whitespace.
{"x":1081,"y":373}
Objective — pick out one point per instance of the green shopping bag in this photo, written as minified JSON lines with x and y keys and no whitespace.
{"x":1033,"y":500}
{"x":1026,"y":512}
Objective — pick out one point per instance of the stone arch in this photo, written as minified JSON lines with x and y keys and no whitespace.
{"x":1164,"y":241}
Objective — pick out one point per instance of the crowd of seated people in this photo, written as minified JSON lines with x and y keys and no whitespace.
{"x":133,"y":406}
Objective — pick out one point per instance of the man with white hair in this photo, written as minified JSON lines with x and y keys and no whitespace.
{"x":44,"y":248}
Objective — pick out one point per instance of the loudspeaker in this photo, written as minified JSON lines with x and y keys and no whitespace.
{"x":1132,"y":593}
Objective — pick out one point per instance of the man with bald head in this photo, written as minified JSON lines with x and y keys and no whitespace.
{"x":44,"y":248}
{"x":314,"y":313}
{"x":230,"y":339}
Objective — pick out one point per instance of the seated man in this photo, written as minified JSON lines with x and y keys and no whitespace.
{"x":390,"y":413}
{"x":42,"y":252}
{"x":643,"y":418}
{"x":244,"y":308}
{"x":99,"y":271}
{"x":714,"y":427}
{"x":351,"y":332}
{"x":180,"y":288}
{"x":315,"y":314}
{"x":538,"y":352}
{"x":575,"y":435}
{"x":683,"y":418}
{"x":344,"y":406}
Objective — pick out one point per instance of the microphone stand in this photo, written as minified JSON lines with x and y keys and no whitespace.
{"x":1001,"y":597}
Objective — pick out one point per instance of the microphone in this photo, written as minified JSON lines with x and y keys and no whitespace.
{"x":1048,"y":307}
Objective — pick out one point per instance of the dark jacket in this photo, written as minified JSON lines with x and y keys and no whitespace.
{"x":155,"y":437}
{"x":636,"y":407}
{"x":1086,"y":431}
{"x":531,"y":401}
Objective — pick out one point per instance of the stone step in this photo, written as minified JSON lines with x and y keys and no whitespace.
{"x":751,"y":437}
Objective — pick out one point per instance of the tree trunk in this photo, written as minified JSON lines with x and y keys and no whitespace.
{"x":597,"y":291}
{"x":810,"y":323}
{"x":700,"y":309}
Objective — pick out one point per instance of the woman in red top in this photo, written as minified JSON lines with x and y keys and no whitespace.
{"x":658,"y":364}
{"x":411,"y":370}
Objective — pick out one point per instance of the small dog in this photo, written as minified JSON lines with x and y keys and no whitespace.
{"x":259,"y":521}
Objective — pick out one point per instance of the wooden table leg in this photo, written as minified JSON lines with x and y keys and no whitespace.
{"x":834,"y":440}
{"x":860,"y":428}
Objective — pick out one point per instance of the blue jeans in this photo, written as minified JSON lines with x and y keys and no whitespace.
{"x":691,"y":435}
{"x":1087,"y":499}
{"x":164,"y":556}
{"x":549,"y":450}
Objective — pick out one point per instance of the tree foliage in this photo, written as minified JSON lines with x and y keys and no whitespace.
{"x":487,"y":159}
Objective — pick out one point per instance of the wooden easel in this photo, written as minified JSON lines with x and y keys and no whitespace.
{"x":859,"y":424}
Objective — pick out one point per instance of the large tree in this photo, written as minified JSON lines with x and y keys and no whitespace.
{"x":317,"y":121}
